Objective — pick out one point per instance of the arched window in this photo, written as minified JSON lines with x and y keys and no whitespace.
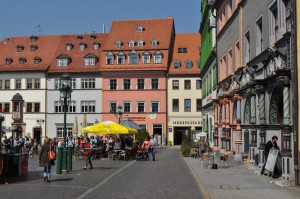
{"x":121,"y":58}
{"x":133,"y":57}
{"x":276,"y":106}
{"x":247,"y":110}
{"x":110,"y":58}
{"x":131,"y":43}
{"x":118,"y":43}
{"x":158,"y":57}
{"x":146,"y":57}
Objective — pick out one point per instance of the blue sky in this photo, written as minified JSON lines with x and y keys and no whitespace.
{"x":21,"y":17}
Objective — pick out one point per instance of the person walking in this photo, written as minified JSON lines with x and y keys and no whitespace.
{"x":88,"y":153}
{"x":270,"y":144}
{"x":44,"y":160}
{"x":146,"y":145}
{"x":153,"y":143}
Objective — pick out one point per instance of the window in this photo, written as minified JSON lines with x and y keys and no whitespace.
{"x":29,"y":84}
{"x":127,"y":107}
{"x":139,"y":29}
{"x":37,"y":83}
{"x":33,"y":39}
{"x":60,"y":132}
{"x":141,"y":107}
{"x":237,"y":55}
{"x":182,"y":50}
{"x":187,"y":105}
{"x":188,"y":64}
{"x":73,"y":83}
{"x":288,"y":14}
{"x":87,"y":83}
{"x":121,"y":58}
{"x":273,"y":22}
{"x":113,"y":106}
{"x":8,"y":61}
{"x":62,"y":62}
{"x":154,"y":84}
{"x":88,"y":106}
{"x":69,"y":47}
{"x":18,"y":84}
{"x":126,"y":84}
{"x":230,"y":8}
{"x":113,"y":84}
{"x":133,"y":57}
{"x":90,"y":59}
{"x":5,"y":107}
{"x":199,"y":105}
{"x":247,"y":47}
{"x":140,"y":84}
{"x":37,"y":60}
{"x":140,"y":43}
{"x":33,"y":48}
{"x":96,"y":46}
{"x":176,"y":64}
{"x":187,"y":84}
{"x":154,"y":107}
{"x":82,"y":46}
{"x":20,"y":48}
{"x":198,"y":84}
{"x":118,"y":44}
{"x":146,"y":58}
{"x":154,"y":43}
{"x":158,"y":57}
{"x":175,"y":105}
{"x":22,"y":60}
{"x":72,"y":107}
{"x":230,"y":66}
{"x":4,"y":84}
{"x":131,"y":44}
{"x":58,"y":108}
{"x":109,"y":58}
{"x":32,"y":107}
{"x":175,"y":84}
{"x":259,"y":36}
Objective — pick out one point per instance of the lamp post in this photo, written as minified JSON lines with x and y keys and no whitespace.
{"x":40,"y":122}
{"x":119,"y":112}
{"x":65,"y":98}
{"x":1,"y":120}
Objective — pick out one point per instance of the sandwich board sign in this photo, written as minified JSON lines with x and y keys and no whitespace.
{"x":270,"y":164}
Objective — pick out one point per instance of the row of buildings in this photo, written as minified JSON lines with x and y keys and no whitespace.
{"x":141,"y":65}
{"x":249,"y":79}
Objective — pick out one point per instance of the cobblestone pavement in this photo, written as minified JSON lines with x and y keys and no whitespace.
{"x":236,"y":181}
{"x":168,"y":177}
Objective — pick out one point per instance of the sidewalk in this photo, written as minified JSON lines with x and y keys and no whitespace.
{"x":239,"y":182}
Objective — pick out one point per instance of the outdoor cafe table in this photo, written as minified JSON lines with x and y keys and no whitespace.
{"x":118,"y":151}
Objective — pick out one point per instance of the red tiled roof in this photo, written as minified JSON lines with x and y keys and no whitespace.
{"x":76,"y":55}
{"x":192,"y":43}
{"x":46,"y":47}
{"x":161,"y":30}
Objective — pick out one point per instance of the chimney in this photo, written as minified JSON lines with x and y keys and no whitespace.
{"x":103,"y":28}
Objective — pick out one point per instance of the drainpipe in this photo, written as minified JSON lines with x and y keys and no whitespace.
{"x":294,"y":85}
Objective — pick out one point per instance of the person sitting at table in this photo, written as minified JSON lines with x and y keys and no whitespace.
{"x":117,"y":145}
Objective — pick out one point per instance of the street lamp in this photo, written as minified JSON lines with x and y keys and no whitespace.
{"x":65,"y":97}
{"x":40,"y":122}
{"x":119,"y":112}
{"x":1,"y":120}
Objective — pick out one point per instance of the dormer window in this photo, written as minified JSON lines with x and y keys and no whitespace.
{"x":8,"y":61}
{"x":37,"y":60}
{"x":20,"y":48}
{"x":96,"y":46}
{"x":121,"y":58}
{"x":82,"y":46}
{"x":118,"y":44}
{"x":79,"y":37}
{"x":188,"y":64}
{"x":63,"y":60}
{"x":69,"y":46}
{"x":110,"y":58}
{"x":133,"y":57}
{"x":93,"y":37}
{"x":140,"y":43}
{"x":158,"y":57}
{"x":131,"y":44}
{"x":154,"y":43}
{"x":146,"y":57}
{"x":140,"y":29}
{"x":33,"y":38}
{"x":33,"y":48}
{"x":22,"y":60}
{"x":176,"y":64}
{"x":198,"y":63}
{"x":90,"y":60}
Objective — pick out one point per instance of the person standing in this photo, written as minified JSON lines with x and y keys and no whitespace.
{"x":44,"y":160}
{"x":88,"y":153}
{"x":146,"y":145}
{"x":270,"y":144}
{"x":153,"y":143}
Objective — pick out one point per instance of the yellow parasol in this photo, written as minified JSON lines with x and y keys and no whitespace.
{"x":108,"y":127}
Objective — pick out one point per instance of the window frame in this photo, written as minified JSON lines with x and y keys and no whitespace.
{"x":175,"y":105}
{"x":174,"y":87}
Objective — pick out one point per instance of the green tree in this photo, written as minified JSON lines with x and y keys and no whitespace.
{"x":142,"y":134}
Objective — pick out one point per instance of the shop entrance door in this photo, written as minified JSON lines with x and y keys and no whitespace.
{"x":179,"y":132}
{"x":37,"y":135}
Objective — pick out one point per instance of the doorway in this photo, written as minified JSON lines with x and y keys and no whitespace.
{"x":37,"y":135}
{"x":179,"y":132}
{"x":157,"y":132}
